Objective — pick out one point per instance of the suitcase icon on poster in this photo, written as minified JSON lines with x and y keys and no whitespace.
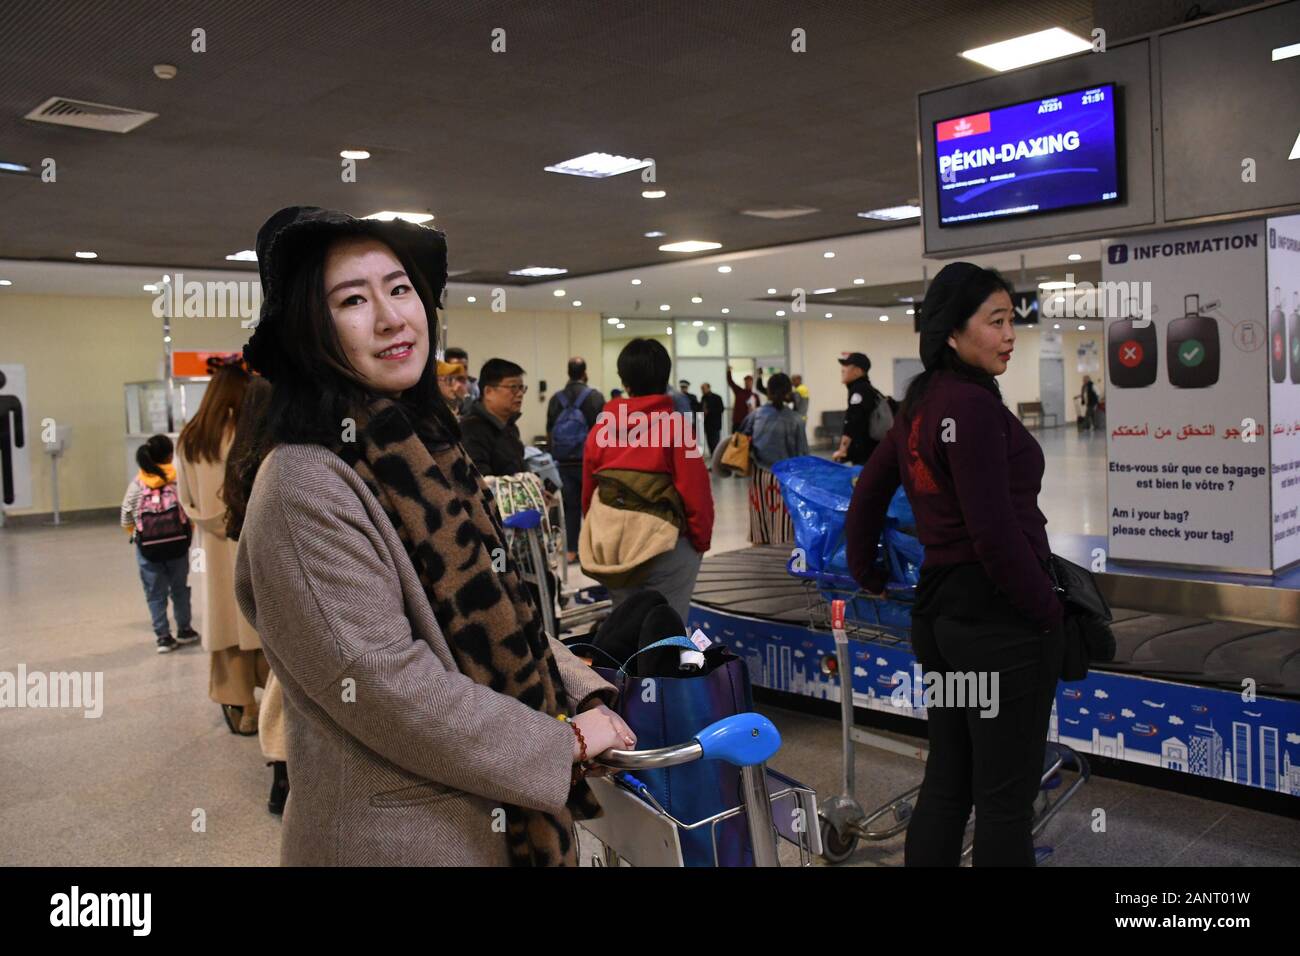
{"x":1132,"y":354}
{"x":1192,"y":345}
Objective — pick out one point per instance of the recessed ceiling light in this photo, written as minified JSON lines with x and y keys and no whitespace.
{"x":724,"y":269}
{"x":828,"y":255}
{"x":636,"y":281}
{"x":1059,"y":298}
{"x":1052,"y":286}
{"x":1030,"y":325}
{"x":354,"y":153}
{"x":668,"y":329}
{"x":471,"y":298}
{"x":15,"y":168}
{"x":577,"y":303}
{"x":892,"y":213}
{"x":824,"y":291}
{"x":780,"y":312}
{"x":622,"y":326}
{"x":665,"y":307}
{"x":537,"y":271}
{"x":167,"y":338}
{"x":612,"y":320}
{"x":696,"y":299}
{"x":654,"y":234}
{"x":830,"y":315}
{"x":10,"y":282}
{"x":1030,"y":48}
{"x":598,"y":165}
{"x":726,"y":311}
{"x":653,"y":194}
{"x":884,"y":318}
{"x":859,"y":281}
{"x":87,"y":255}
{"x":911,"y":311}
{"x":244,"y":255}
{"x":146,"y":288}
{"x":1074,"y":257}
{"x":1057,"y":325}
{"x":558,"y":293}
{"x":388,"y":215}
{"x":713,"y":328}
{"x":697,"y":323}
{"x":689,"y":245}
{"x":788,"y":212}
{"x":1083,"y":328}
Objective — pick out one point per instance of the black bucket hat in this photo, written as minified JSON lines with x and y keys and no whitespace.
{"x":296,"y":229}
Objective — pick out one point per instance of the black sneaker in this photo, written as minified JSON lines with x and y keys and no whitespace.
{"x":187,"y":636}
{"x":166,"y":644}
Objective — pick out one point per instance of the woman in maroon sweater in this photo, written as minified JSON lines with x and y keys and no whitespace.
{"x":985,"y":603}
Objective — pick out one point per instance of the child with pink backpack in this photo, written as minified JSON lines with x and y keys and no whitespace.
{"x":161,"y":532}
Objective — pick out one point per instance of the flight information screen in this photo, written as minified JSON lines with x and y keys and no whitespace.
{"x":1059,"y":152}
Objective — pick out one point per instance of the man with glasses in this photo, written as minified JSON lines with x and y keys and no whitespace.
{"x":453,"y":383}
{"x":488,"y":429}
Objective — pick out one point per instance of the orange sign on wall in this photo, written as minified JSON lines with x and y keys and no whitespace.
{"x":202,"y":364}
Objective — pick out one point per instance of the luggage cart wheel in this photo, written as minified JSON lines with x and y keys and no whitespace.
{"x":837,"y":848}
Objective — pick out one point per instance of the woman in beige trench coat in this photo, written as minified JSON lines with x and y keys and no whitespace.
{"x":237,"y":662}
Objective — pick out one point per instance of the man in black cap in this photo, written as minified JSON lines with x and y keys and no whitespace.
{"x":856,"y":444}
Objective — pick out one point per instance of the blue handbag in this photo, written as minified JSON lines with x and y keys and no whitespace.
{"x":663,"y":711}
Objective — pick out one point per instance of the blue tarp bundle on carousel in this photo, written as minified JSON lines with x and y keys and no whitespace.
{"x":817,"y":494}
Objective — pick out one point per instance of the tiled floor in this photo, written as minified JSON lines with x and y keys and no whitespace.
{"x":159,"y":780}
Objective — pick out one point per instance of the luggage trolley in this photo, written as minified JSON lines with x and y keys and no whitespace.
{"x":843,"y":820}
{"x":568,"y":610}
{"x":637,"y":829}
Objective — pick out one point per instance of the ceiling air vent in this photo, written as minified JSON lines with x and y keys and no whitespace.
{"x":780,"y":213}
{"x":107,"y":119}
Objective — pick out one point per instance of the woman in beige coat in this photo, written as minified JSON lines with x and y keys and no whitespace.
{"x":430,"y":720}
{"x":237,"y":662}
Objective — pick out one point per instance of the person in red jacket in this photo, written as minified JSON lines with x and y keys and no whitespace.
{"x":985,"y":603}
{"x":642,"y":445}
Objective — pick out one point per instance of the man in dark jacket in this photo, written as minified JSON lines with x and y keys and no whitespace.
{"x":567,"y":442}
{"x":488,"y":429}
{"x":856,"y":445}
{"x":711,"y":403}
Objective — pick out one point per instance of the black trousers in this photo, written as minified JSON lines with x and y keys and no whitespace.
{"x":713,"y":434}
{"x":571,"y":477}
{"x":993,"y":764}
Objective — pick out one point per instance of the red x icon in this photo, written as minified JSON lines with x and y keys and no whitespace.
{"x":1130,"y":353}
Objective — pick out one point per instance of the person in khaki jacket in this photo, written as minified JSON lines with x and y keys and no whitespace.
{"x":421,"y":696}
{"x":237,"y":662}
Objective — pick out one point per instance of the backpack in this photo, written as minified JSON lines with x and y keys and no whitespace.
{"x":162,"y":529}
{"x":882,"y":418}
{"x":570,"y":432}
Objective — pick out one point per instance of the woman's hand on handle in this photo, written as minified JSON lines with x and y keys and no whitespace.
{"x":603,"y":730}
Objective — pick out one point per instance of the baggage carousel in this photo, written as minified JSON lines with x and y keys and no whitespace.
{"x":1206,"y":677}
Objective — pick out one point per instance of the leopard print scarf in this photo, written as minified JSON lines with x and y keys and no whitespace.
{"x":446,"y":519}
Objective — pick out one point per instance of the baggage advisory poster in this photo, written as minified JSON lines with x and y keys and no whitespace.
{"x":1284,"y":385}
{"x":1187,"y":399}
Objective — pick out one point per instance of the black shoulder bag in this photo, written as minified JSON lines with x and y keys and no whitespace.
{"x":1088,"y":638}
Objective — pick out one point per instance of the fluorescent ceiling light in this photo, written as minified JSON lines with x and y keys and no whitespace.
{"x":789,"y":212}
{"x":1051,"y":286}
{"x":355,"y":153}
{"x":244,"y":255}
{"x":538,"y":271}
{"x":653,"y":194}
{"x":859,"y":281}
{"x":824,"y":291}
{"x":1286,"y":52}
{"x":724,"y":269}
{"x":10,"y":282}
{"x":654,"y":234}
{"x":15,"y":168}
{"x":598,"y":165}
{"x":892,"y":213}
{"x":87,"y":255}
{"x":1030,"y":48}
{"x":388,"y":215}
{"x":689,"y":245}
